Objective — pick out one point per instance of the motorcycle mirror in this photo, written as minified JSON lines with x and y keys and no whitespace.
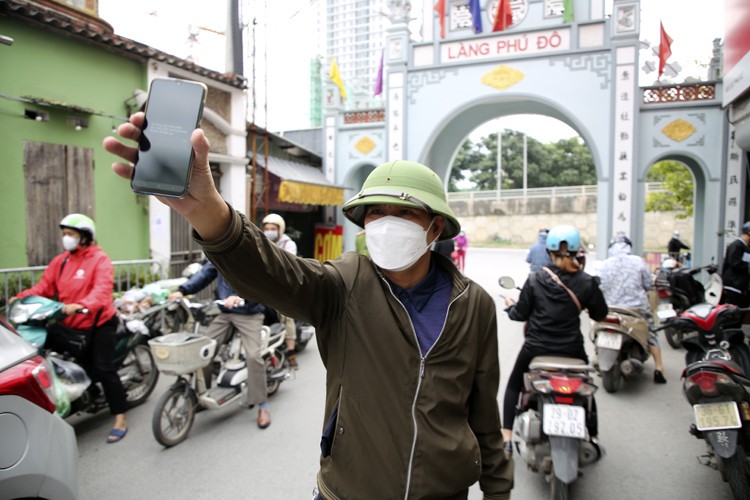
{"x":507,"y":282}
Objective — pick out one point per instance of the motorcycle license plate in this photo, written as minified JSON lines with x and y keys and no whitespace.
{"x":564,"y":420}
{"x":666,"y":311}
{"x":712,"y":416}
{"x":609,"y":340}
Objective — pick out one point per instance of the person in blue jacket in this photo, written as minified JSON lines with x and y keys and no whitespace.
{"x":538,"y":257}
{"x":247,"y":317}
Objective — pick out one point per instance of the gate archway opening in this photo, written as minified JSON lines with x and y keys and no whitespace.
{"x":525,"y":214}
{"x":445,"y":141}
{"x":660,"y":224}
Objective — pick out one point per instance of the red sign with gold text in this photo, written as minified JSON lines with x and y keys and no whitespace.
{"x":329,"y":242}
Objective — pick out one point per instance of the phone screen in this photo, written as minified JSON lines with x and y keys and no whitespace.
{"x":165,"y":155}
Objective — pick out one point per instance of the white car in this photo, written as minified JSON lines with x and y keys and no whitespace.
{"x":39,"y":452}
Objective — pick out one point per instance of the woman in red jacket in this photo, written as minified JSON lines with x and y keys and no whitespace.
{"x":82,"y":277}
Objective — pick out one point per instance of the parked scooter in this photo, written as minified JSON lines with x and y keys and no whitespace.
{"x":621,"y":343}
{"x":687,"y":291}
{"x":550,"y":431}
{"x":135,"y":365}
{"x":186,"y":355}
{"x":717,"y":386}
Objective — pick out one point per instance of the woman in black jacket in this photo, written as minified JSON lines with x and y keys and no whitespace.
{"x":553,"y":315}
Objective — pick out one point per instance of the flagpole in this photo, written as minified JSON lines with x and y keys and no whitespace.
{"x":525,"y":164}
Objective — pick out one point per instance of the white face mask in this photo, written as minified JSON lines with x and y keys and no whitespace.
{"x":70,"y":243}
{"x":395,"y":243}
{"x":271,"y":235}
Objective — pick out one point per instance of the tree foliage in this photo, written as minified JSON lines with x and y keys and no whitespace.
{"x":567,"y":162}
{"x":678,"y":184}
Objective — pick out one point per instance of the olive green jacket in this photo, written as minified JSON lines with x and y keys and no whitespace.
{"x":398,"y":425}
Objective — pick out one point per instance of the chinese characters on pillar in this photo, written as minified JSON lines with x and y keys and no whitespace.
{"x":330,"y":148}
{"x":734,"y":183}
{"x":395,"y":118}
{"x":624,"y":116}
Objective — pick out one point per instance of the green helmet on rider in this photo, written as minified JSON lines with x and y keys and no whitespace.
{"x":405,"y":183}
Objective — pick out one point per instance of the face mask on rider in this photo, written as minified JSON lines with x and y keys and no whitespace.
{"x":70,"y":243}
{"x":395,"y":243}
{"x":271,"y":235}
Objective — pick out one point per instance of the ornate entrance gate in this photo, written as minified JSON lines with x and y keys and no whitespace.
{"x":583,"y":72}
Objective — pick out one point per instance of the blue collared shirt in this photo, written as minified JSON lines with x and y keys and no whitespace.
{"x":427,"y":305}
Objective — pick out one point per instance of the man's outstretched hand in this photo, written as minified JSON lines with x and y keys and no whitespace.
{"x":203,"y":206}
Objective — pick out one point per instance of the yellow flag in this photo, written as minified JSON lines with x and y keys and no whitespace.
{"x":335,"y":77}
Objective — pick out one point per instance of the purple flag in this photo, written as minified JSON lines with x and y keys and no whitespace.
{"x":476,"y":15}
{"x":379,"y":79}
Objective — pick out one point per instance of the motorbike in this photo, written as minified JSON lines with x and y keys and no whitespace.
{"x":200,"y":315}
{"x":621,"y":344}
{"x":187,"y":355}
{"x":135,"y":365}
{"x":151,"y":305}
{"x":716,"y":384}
{"x":303,"y":330}
{"x":550,"y":431}
{"x":687,"y":290}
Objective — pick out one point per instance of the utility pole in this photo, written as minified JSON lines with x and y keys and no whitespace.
{"x":525,"y":165}
{"x":499,"y":163}
{"x":234,"y":56}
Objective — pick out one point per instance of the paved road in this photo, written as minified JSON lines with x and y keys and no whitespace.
{"x":650,"y":455}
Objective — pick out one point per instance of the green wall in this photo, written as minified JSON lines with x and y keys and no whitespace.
{"x":62,"y":68}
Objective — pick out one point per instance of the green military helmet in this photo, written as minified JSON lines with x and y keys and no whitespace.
{"x":406,"y":183}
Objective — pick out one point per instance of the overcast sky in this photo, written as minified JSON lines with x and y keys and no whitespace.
{"x":163,"y":24}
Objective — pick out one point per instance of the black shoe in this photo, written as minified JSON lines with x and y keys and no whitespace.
{"x":508,"y":446}
{"x":659,"y":377}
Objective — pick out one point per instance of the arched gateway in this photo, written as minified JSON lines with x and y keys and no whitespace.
{"x":583,"y":72}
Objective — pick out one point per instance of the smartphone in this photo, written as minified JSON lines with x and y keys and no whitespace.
{"x":165,"y":155}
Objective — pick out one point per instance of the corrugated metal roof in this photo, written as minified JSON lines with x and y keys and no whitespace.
{"x":298,"y":172}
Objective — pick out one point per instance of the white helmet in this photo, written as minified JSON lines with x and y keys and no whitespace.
{"x":80,"y":223}
{"x":669,"y":264}
{"x":275,"y":219}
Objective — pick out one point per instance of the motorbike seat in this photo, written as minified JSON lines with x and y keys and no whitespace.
{"x":700,"y":365}
{"x":560,"y":363}
{"x":626,"y":311}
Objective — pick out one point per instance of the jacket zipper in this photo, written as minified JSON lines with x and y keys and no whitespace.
{"x":422,"y":361}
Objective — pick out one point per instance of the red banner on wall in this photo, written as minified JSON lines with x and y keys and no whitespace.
{"x":329,"y":242}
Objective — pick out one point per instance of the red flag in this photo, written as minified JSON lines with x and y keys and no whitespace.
{"x":503,"y":16}
{"x":440,"y":9}
{"x":665,"y":48}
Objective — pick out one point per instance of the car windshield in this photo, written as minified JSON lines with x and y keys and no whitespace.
{"x":13,"y":348}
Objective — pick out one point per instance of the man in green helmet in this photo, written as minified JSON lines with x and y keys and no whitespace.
{"x":410,"y":345}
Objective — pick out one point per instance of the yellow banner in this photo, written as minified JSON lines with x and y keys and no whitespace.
{"x":310,"y":194}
